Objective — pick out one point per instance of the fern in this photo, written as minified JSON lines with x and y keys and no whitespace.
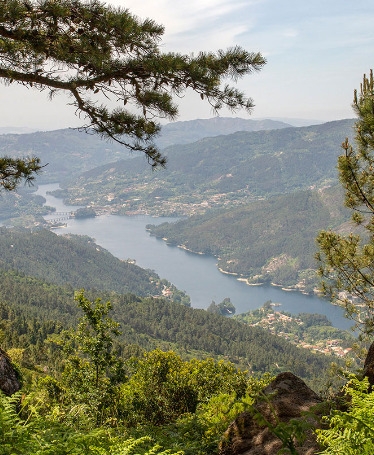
{"x":14,"y":433}
{"x":141,"y":446}
{"x":39,"y":435}
{"x":351,"y":432}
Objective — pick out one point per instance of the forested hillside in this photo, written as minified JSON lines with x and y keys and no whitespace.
{"x":32,"y":309}
{"x":73,"y":260}
{"x":171,"y":370}
{"x":217,"y":172}
{"x":22,"y":203}
{"x":69,"y":152}
{"x":272,"y":239}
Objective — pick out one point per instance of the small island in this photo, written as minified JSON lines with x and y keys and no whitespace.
{"x":85,"y":212}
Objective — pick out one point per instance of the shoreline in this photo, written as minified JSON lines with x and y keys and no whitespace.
{"x":244,"y":280}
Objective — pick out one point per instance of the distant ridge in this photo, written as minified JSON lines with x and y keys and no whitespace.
{"x":192,"y":130}
{"x":17,"y":130}
{"x":70,"y":152}
{"x":218,"y":171}
{"x":296,"y":121}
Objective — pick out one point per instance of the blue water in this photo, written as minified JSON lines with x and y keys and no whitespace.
{"x":125,"y":237}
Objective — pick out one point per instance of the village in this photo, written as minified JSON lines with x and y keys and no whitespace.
{"x":312,"y":332}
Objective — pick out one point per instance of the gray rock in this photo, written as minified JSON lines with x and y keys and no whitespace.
{"x":9,"y":377}
{"x":287,"y":397}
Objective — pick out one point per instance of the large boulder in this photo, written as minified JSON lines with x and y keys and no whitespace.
{"x":9,"y":377}
{"x":287,"y":397}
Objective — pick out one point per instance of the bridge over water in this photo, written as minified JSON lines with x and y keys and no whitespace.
{"x":60,"y":216}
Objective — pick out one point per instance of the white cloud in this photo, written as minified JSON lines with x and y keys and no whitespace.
{"x":193,"y":25}
{"x":317,"y":52}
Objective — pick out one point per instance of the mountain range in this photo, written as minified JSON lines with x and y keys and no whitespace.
{"x":222,"y":171}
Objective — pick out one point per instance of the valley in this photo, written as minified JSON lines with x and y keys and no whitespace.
{"x":252,"y":245}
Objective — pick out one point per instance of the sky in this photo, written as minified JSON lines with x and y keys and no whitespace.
{"x":316,"y":51}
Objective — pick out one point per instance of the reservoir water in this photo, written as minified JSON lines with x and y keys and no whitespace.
{"x":125,"y":237}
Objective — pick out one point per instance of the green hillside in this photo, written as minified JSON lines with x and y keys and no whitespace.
{"x":272,"y":239}
{"x":31,"y":309}
{"x":217,"y":172}
{"x":69,"y":152}
{"x":184,"y":397}
{"x":21,"y":203}
{"x":73,"y":260}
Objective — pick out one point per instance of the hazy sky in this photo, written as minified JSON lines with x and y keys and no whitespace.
{"x":317,"y":52}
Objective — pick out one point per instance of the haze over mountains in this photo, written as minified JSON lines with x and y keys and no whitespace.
{"x":218,"y":175}
{"x":69,"y":152}
{"x":226,"y":124}
{"x":216,"y":172}
{"x":193,"y":130}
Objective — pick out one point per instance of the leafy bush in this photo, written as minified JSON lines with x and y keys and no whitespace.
{"x":162,"y":386}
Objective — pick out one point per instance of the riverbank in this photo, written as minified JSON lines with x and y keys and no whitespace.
{"x":299,"y":287}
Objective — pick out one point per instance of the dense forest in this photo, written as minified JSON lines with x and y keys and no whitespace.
{"x":177,"y":374}
{"x":74,"y":260}
{"x":33,"y":309}
{"x":40,"y":272}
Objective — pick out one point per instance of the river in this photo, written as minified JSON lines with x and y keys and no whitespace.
{"x":125,"y":237}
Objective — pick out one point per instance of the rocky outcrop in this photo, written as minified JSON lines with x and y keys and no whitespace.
{"x":286,"y":398}
{"x":369,"y":365}
{"x":9,"y":378}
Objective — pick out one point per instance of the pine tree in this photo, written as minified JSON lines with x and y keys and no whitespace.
{"x":347,"y":261}
{"x":93,"y":51}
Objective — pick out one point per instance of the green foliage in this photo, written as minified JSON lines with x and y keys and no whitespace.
{"x":162,"y":387}
{"x":36,"y":435}
{"x":15,"y":170}
{"x":32,"y":310}
{"x":351,"y":431}
{"x":290,"y":433}
{"x":183,"y":405}
{"x":92,"y":369}
{"x":200,"y":433}
{"x":197,"y":330}
{"x":346,"y":262}
{"x":95,"y":334}
{"x":85,"y":212}
{"x":224,"y":308}
{"x":43,"y":435}
{"x":72,"y":260}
